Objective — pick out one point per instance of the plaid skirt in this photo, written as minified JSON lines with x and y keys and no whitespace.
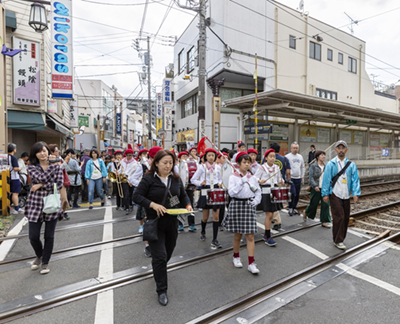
{"x":241,"y":217}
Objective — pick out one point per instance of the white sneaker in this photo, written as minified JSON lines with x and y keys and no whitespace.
{"x":21,"y":211}
{"x":237,"y":263}
{"x":253,"y":268}
{"x":13,"y":212}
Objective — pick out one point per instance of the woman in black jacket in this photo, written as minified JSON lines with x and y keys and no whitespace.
{"x":150,"y":194}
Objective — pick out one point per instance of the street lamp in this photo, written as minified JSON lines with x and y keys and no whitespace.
{"x":38,"y":17}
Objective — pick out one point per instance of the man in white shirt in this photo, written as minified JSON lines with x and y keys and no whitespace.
{"x":297,"y":174}
{"x":339,"y":194}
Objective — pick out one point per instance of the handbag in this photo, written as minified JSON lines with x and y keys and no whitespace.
{"x":66,"y":182}
{"x":52,"y":203}
{"x":150,"y":226}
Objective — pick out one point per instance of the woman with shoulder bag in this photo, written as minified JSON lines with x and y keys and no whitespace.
{"x":44,"y":176}
{"x":316,"y":175}
{"x":160,"y":189}
{"x":95,"y":175}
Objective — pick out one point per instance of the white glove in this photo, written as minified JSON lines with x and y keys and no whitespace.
{"x":252,"y":203}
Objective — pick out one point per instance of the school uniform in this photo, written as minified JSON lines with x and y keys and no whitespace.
{"x":241,"y":216}
{"x":135,"y":179}
{"x":129,"y":168}
{"x":116,"y":167}
{"x":213,"y":180}
{"x":254,"y":167}
{"x":265,"y":172}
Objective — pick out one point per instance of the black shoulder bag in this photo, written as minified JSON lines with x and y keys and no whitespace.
{"x":150,"y":226}
{"x":336,"y":177}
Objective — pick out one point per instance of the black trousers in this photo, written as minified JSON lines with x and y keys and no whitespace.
{"x":128,"y":193}
{"x":34,"y":237}
{"x":119,"y":199}
{"x":73,"y":190}
{"x":161,"y":250}
{"x":295,"y":189}
{"x":85,"y":196}
{"x":191,"y":219}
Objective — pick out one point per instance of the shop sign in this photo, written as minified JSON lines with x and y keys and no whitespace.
{"x":61,"y":44}
{"x":262,"y":128}
{"x":119,"y":124}
{"x":83,"y":121}
{"x":159,"y":105}
{"x":26,"y":72}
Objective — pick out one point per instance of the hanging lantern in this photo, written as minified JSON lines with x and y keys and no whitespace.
{"x":38,"y":17}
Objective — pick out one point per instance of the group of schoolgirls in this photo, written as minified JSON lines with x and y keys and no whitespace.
{"x":249,"y":189}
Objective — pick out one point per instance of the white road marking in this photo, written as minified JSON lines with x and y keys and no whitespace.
{"x":306,"y":247}
{"x":105,"y":300}
{"x":355,"y":273}
{"x":359,"y":234}
{"x":7,"y":245}
{"x":375,"y":281}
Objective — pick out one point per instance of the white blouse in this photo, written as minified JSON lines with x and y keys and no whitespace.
{"x":130,"y":168}
{"x":239,"y":189}
{"x":265,"y":171}
{"x":202,"y":174}
{"x":255,"y":168}
{"x":135,"y":178}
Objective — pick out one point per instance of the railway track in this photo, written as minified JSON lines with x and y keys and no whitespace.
{"x":245,"y":303}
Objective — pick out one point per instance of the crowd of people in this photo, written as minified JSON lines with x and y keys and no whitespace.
{"x":152,"y":181}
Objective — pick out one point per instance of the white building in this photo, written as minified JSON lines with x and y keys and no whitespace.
{"x":293,"y":58}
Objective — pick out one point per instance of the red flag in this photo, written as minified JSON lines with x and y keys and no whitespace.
{"x":201,"y":146}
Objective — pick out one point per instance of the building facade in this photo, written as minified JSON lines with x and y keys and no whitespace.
{"x":32,"y":114}
{"x":293,"y":54}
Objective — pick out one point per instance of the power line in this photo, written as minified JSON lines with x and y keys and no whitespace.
{"x":331,"y":46}
{"x":96,"y":75}
{"x":121,"y":4}
{"x":171,"y":4}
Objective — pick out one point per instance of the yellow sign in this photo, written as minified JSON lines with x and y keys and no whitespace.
{"x":101,"y":135}
{"x":308,"y":134}
{"x":186,"y":136}
{"x":159,"y":125}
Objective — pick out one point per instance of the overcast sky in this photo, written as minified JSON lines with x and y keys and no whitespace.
{"x":109,"y":46}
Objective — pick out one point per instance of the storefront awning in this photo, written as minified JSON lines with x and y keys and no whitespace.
{"x":25,"y":120}
{"x":60,"y":127}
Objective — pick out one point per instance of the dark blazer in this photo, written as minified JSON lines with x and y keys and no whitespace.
{"x":152,"y":189}
{"x":311,"y":156}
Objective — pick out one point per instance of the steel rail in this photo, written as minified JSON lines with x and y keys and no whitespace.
{"x":237,"y":306}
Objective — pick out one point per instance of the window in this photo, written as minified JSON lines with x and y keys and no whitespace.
{"x":330,"y":55}
{"x":181,"y":66}
{"x":326,"y":94}
{"x":292,"y":42}
{"x":352,"y":65}
{"x":340,"y":58}
{"x":190,"y":60}
{"x":315,"y":51}
{"x":189,"y":106}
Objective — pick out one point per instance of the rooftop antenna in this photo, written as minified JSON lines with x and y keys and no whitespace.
{"x":353,"y":22}
{"x":301,"y":6}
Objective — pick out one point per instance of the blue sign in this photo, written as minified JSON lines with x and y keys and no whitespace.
{"x":385,"y":152}
{"x":119,"y":124}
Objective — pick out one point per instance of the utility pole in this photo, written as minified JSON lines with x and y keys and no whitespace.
{"x":149,"y":90}
{"x":3,"y":107}
{"x":98,"y":133}
{"x":202,"y":70}
{"x":200,"y":8}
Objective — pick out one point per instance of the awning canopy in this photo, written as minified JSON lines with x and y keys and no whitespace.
{"x":292,"y":105}
{"x":60,"y":127}
{"x":25,"y":120}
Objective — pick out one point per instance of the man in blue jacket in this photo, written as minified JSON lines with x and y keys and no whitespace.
{"x":339,"y":194}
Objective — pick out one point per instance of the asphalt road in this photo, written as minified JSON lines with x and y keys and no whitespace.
{"x":195,"y":290}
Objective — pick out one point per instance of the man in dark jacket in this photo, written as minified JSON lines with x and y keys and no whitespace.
{"x":85,"y":157}
{"x":311,"y":154}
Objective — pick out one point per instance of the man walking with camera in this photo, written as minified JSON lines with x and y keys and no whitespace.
{"x":340,"y":180}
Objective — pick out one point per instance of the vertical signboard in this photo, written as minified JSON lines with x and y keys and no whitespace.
{"x":167,"y":101}
{"x":119,"y":123}
{"x":73,"y":109}
{"x":61,"y":44}
{"x":159,"y":105}
{"x":26,"y":72}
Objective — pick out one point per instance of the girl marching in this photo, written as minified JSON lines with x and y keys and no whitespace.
{"x":268,"y":176}
{"x":208,"y":175}
{"x":116,"y":167}
{"x":254,"y":166}
{"x":241,"y":218}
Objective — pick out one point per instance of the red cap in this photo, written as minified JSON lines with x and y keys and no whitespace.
{"x":128,"y":151}
{"x":193,"y":148}
{"x":182,"y":153}
{"x":173,"y":152}
{"x":252,"y":151}
{"x":210,"y":150}
{"x":118,"y":152}
{"x":269,"y":151}
{"x":219,"y":155}
{"x":226,"y":154}
{"x":142,"y":151}
{"x":239,"y":155}
{"x":153,"y":151}
{"x":130,"y":146}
